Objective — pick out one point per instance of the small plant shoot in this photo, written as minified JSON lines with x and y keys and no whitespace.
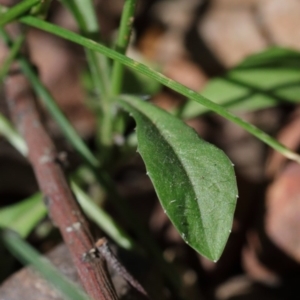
{"x":194,"y":180}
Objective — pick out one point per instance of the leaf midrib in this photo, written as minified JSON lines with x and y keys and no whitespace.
{"x":155,"y":125}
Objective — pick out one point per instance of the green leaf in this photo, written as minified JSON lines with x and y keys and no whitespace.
{"x":17,"y":44}
{"x":41,"y":9}
{"x":8,"y":131}
{"x":27,"y":254}
{"x":16,"y":11}
{"x":260,"y":81}
{"x":22,"y":217}
{"x":101,"y":218}
{"x":193,"y":179}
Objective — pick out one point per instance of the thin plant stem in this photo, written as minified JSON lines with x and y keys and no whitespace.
{"x":181,"y":89}
{"x":85,"y":16}
{"x":14,"y":50}
{"x":84,"y":13}
{"x":122,"y":44}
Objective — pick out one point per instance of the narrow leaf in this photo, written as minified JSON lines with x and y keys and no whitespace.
{"x":193,"y":179}
{"x":22,"y":217}
{"x":26,"y":254}
{"x":101,"y":218}
{"x":262,"y":80}
{"x":16,"y":11}
{"x":17,"y":44}
{"x":183,"y":90}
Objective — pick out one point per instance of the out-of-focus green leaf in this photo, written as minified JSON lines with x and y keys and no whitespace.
{"x":101,"y":218}
{"x":28,"y":255}
{"x":9,"y":132}
{"x":16,"y":11}
{"x":262,"y":80}
{"x":23,"y":216}
{"x":17,"y":44}
{"x":193,"y":179}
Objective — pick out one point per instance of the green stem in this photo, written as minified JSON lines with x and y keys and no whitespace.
{"x":14,"y":50}
{"x":84,"y":13}
{"x":122,"y":44}
{"x":183,"y":90}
